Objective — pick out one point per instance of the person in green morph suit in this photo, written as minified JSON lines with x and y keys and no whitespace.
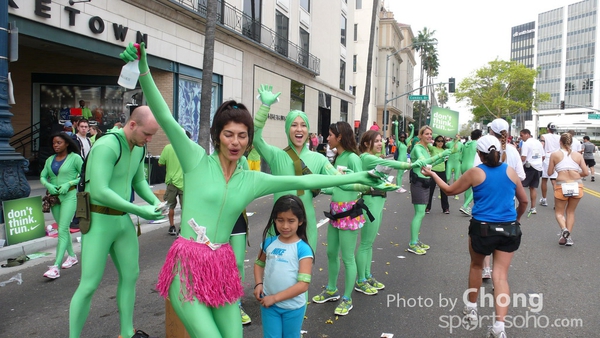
{"x":402,"y":151}
{"x":467,"y":160}
{"x":200,"y":275}
{"x":419,"y":186}
{"x":370,"y":146}
{"x":281,"y":163}
{"x":60,"y":176}
{"x":453,"y":163}
{"x":115,"y":167}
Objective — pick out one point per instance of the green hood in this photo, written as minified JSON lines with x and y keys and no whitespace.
{"x":291,"y":116}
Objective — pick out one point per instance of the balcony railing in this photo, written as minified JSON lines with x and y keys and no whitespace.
{"x":235,"y":20}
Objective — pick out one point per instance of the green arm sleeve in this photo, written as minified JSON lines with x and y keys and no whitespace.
{"x":244,"y":161}
{"x":267,"y":184}
{"x":330,"y":170}
{"x":100,"y":167}
{"x":371,"y":161}
{"x":78,"y":162}
{"x":44,"y":174}
{"x":265,"y":150}
{"x":181,"y":143}
{"x":141,"y":187}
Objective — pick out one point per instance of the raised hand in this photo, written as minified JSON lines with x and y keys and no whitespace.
{"x":266,"y":96}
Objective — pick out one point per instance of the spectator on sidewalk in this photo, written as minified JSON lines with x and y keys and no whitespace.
{"x":532,"y":155}
{"x":83,"y":126}
{"x":589,"y":149}
{"x":174,"y":182}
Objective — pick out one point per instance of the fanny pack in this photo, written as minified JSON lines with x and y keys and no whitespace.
{"x":570,"y":189}
{"x":487,"y":229}
{"x":414,"y":178}
{"x":357,"y":210}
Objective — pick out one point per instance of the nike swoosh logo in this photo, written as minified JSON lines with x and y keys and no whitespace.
{"x":33,"y":227}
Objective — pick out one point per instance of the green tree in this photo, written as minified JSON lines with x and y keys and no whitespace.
{"x":425,"y":43}
{"x":500,"y":89}
{"x":420,"y":112}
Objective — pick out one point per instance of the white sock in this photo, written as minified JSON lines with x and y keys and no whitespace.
{"x":498,"y":326}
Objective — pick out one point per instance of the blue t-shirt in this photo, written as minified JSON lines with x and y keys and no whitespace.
{"x":281,"y":269}
{"x":494,"y":197}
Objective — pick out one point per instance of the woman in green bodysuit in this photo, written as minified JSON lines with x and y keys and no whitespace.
{"x":200,"y":274}
{"x":370,"y":145}
{"x":419,"y":186}
{"x":402,"y":151}
{"x":60,"y":176}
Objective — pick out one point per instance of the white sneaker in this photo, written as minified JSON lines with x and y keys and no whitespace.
{"x":543,"y":202}
{"x":486,"y":273}
{"x":401,"y":190}
{"x":52,"y":272}
{"x":69,"y":262}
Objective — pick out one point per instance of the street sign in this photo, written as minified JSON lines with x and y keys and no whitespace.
{"x":418,"y":97}
{"x":593,"y":116}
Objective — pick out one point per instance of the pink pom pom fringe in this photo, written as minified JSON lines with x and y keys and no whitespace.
{"x":209,"y":275}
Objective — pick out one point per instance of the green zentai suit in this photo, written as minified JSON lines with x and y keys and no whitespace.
{"x":110,"y":184}
{"x":467,"y":160}
{"x":453,"y":164}
{"x":369,"y":231}
{"x":215,"y":204}
{"x":282,"y":164}
{"x":68,"y":176}
{"x":403,"y":149}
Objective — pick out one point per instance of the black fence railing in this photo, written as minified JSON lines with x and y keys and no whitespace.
{"x":243,"y":24}
{"x":25,"y":137}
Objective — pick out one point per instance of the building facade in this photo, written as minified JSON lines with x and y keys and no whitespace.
{"x":69,"y":52}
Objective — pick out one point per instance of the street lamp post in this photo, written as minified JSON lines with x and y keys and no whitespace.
{"x":387,"y":61}
{"x":13,"y":184}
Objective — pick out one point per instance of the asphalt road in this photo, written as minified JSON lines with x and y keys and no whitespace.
{"x":554,"y":287}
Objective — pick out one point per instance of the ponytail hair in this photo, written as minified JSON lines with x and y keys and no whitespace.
{"x":566,"y":140}
{"x":503,"y":140}
{"x":491,"y":159}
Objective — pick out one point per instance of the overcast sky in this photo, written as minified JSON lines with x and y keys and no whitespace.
{"x":470,"y":33}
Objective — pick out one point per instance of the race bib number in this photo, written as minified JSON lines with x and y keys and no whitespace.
{"x":570,"y":189}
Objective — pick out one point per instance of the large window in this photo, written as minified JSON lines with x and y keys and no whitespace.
{"x":344,"y":111}
{"x":342,"y":75}
{"x":282,"y":31}
{"x":304,"y":44}
{"x":297,"y":96}
{"x":343,"y":23}
{"x":252,"y":19}
{"x":305,"y":4}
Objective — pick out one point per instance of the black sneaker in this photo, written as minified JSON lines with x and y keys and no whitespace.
{"x":141,"y":334}
{"x":593,"y":179}
{"x":172,"y":230}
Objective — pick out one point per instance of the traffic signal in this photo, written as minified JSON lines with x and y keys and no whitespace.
{"x":451,"y":85}
{"x":562,"y":105}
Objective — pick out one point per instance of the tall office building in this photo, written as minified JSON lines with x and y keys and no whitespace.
{"x":522,"y":50}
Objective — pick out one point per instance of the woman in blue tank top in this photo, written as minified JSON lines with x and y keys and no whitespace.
{"x":494,"y":228}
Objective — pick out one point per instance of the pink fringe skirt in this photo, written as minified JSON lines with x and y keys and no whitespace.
{"x":209,"y":275}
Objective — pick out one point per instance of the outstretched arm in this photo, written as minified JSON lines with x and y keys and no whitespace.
{"x":370,"y":161}
{"x":267,"y":98}
{"x":182,"y":145}
{"x":412,"y":134}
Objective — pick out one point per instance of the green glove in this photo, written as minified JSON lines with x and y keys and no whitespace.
{"x":266,"y":96}
{"x":63,"y":189}
{"x":52,"y":189}
{"x":135,"y":52}
{"x":386,"y":186}
{"x":411,"y":126}
{"x":446,"y":153}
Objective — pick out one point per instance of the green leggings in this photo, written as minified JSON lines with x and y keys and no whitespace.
{"x":415,"y":225}
{"x":368,"y":233}
{"x":224,"y":320}
{"x":344,"y":240}
{"x":238,"y":245}
{"x":63,"y":214}
{"x":468,"y":197}
{"x":114,"y":235}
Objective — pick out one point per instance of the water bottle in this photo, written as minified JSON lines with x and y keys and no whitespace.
{"x":129,"y":75}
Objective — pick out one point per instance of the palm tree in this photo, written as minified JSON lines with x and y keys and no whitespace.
{"x":424,"y":44}
{"x":442,"y":94}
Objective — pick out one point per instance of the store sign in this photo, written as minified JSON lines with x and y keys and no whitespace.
{"x":444,"y":121}
{"x":96,"y":24}
{"x":23,"y":219}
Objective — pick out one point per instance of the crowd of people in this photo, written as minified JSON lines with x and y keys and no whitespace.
{"x":203,"y":271}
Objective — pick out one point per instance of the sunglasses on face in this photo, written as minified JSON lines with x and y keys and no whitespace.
{"x":439,"y":140}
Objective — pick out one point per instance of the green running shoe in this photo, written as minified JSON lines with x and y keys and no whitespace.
{"x":365,"y":288}
{"x":344,"y":307}
{"x":326,"y":296}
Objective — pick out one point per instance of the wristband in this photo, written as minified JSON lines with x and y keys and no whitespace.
{"x":259,"y":263}
{"x":257,"y":284}
{"x":303,"y":277}
{"x":145,"y":73}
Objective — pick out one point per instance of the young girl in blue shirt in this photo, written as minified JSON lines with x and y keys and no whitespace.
{"x":282,"y":271}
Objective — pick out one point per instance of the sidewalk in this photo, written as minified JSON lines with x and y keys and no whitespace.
{"x":48,"y":244}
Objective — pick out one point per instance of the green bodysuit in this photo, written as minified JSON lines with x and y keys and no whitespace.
{"x":369,"y":231}
{"x":453,"y":164}
{"x":110,"y":184}
{"x":467,"y":160}
{"x":63,"y":213}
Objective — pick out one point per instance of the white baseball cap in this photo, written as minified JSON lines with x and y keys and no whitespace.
{"x":498,"y":125}
{"x":488,"y":142}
